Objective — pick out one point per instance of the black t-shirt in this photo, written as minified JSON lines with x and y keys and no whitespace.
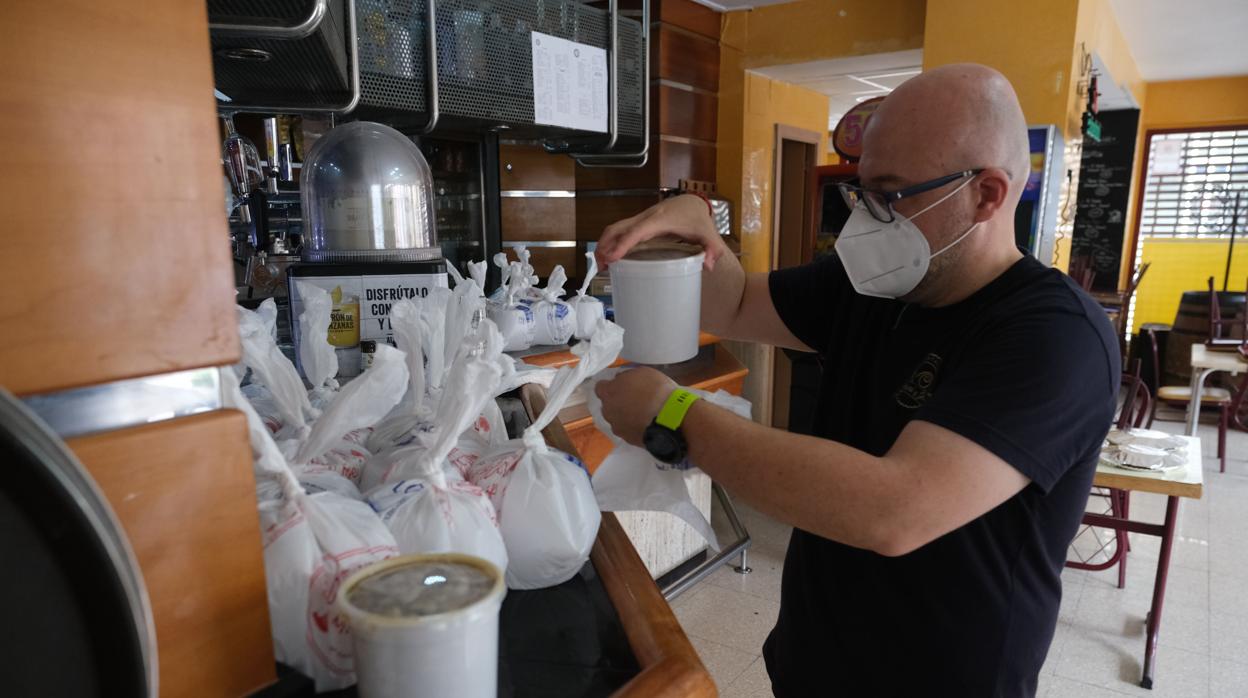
{"x":1028,"y":368}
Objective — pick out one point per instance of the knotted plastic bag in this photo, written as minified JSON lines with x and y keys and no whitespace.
{"x":588,"y":309}
{"x":411,"y":436}
{"x":554,"y":319}
{"x":312,"y":543}
{"x":316,"y":354}
{"x":330,"y":439}
{"x":515,"y":319}
{"x":546,"y":507}
{"x":413,"y":333}
{"x":273,"y":371}
{"x":630,"y":479}
{"x":427,"y":504}
{"x":334,"y":440}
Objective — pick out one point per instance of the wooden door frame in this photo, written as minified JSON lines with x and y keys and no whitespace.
{"x":790,"y":133}
{"x":812,"y":138}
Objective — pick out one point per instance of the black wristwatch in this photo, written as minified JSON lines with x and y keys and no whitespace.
{"x":663,"y":437}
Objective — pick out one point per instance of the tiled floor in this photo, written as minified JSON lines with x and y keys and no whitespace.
{"x":1099,"y":644}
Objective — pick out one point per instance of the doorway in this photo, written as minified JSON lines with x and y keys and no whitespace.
{"x":797,"y":154}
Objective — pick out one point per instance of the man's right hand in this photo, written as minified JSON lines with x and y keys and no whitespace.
{"x":684,"y":217}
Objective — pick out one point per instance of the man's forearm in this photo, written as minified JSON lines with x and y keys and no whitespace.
{"x":820,"y":486}
{"x":722,"y":291}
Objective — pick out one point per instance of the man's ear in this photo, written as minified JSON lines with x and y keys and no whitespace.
{"x":993,"y":187}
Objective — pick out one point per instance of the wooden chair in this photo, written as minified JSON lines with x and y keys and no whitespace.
{"x":1137,"y":404}
{"x":1133,"y":412}
{"x":1118,"y":306}
{"x":1219,"y":339}
{"x":1180,"y":395}
{"x":1081,"y":271}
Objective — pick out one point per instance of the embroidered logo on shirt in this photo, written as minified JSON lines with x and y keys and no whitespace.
{"x":918,"y":389}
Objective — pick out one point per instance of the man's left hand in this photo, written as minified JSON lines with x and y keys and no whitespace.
{"x":632,"y":400}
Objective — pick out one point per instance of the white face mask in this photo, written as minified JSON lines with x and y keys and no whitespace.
{"x":888,"y":260}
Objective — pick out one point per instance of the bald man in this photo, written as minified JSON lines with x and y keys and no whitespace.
{"x":966,"y":391}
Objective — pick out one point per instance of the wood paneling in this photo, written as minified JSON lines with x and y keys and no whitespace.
{"x":684,"y":113}
{"x":670,"y":162}
{"x":534,"y":168}
{"x":114,"y":250}
{"x":544,"y":259}
{"x":564,"y":357}
{"x":595,"y":213}
{"x":185,"y":495}
{"x":599,"y":178}
{"x":686,"y":57}
{"x":679,"y":161}
{"x":538,"y":219}
{"x":687,"y":14}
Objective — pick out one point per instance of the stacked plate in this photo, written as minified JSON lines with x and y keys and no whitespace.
{"x":1143,"y":449}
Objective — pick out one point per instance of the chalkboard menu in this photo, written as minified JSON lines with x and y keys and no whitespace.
{"x":1101,"y":205}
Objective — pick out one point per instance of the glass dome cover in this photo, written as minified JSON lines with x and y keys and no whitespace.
{"x":367,"y":196}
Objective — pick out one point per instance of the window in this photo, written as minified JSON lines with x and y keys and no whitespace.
{"x":1192,"y":182}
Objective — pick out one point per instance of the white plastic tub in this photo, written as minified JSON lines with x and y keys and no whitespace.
{"x":657,"y":294}
{"x":427,"y":645}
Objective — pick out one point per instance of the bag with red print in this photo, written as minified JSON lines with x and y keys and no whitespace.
{"x":327,"y":441}
{"x":426,"y":503}
{"x":545,"y":503}
{"x":312,"y":542}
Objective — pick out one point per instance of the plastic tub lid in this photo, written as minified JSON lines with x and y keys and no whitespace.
{"x":663,"y":259}
{"x":415,"y":589}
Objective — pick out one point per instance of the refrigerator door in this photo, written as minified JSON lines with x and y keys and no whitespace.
{"x":465,"y":188}
{"x":1035,"y":220}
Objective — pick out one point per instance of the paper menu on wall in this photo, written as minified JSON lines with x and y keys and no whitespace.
{"x":569,"y":84}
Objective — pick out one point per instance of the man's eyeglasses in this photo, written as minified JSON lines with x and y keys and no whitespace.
{"x":880,"y":203}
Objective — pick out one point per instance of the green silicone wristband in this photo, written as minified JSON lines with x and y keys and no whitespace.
{"x":675,"y":409}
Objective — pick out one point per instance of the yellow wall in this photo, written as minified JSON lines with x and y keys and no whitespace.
{"x":1183,"y":265}
{"x":1097,"y":31}
{"x":1195,"y":103}
{"x":1044,"y":62}
{"x":767,"y":104}
{"x":751,"y":105}
{"x":811,"y":30}
{"x":1029,"y":42}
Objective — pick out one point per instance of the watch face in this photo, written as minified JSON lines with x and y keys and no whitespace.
{"x":664,"y":444}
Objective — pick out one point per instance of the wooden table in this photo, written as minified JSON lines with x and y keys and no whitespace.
{"x":1205,"y":362}
{"x":1185,"y":482}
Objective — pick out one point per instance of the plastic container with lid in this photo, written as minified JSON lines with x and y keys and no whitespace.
{"x":425,"y":625}
{"x":367,"y":197}
{"x":657,"y":294}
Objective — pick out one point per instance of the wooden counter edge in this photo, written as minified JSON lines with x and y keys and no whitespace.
{"x":728,"y":369}
{"x":563,"y":357}
{"x":670,"y":667}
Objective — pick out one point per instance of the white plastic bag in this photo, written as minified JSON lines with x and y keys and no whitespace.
{"x":311,"y":544}
{"x":554,"y":319}
{"x":271,"y":369}
{"x":358,"y":405}
{"x":630,"y":479}
{"x":546,"y":507}
{"x":412,"y":334}
{"x":316,"y":354}
{"x":588,"y":309}
{"x":428,"y":505}
{"x":331,"y":438}
{"x":511,"y":312}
